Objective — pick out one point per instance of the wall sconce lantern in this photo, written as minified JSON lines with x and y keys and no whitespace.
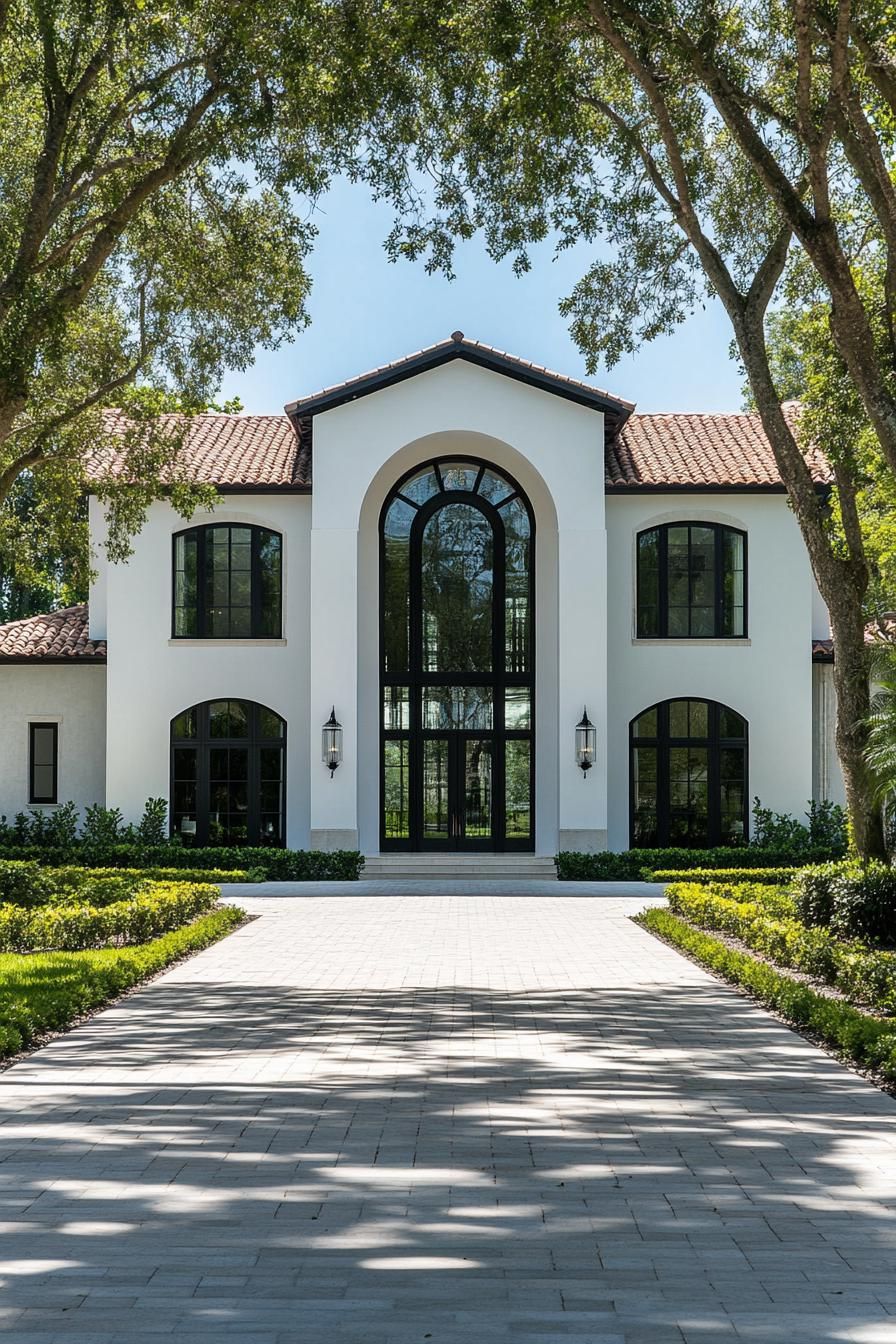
{"x":331,"y":743}
{"x":586,"y":743}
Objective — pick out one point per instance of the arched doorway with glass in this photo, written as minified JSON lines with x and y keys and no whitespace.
{"x":228,"y":774}
{"x":457,"y":565}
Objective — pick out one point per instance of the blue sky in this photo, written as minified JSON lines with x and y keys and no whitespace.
{"x":366,"y":311}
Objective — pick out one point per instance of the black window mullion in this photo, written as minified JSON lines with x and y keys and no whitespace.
{"x":719,"y":581}
{"x":663,"y":557}
{"x":255,"y":582}
{"x":201,"y":584}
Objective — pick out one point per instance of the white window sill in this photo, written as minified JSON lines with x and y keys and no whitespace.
{"x":225,"y":643}
{"x":698,"y":643}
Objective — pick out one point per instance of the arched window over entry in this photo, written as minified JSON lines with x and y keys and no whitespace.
{"x":457,"y":660}
{"x":688,"y":775}
{"x":228,"y":774}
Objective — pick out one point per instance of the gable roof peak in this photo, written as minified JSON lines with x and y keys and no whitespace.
{"x":459,"y":346}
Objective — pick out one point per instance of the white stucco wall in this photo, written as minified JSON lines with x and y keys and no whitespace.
{"x":73,"y":697}
{"x":554,"y":448}
{"x":767,"y":678}
{"x":827,"y":775}
{"x":152,"y":677}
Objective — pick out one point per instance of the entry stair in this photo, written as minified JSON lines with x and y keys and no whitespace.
{"x":462,"y":867}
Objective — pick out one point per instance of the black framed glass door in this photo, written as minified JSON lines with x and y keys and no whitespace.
{"x":458,"y":794}
{"x":457,"y":661}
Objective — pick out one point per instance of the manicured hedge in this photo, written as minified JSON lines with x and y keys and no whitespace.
{"x":48,"y":991}
{"x":773,"y":877}
{"x":265,"y":864}
{"x":161,"y":908}
{"x":766,"y":925}
{"x":867,"y":1041}
{"x":24,"y":882}
{"x":635,"y":865}
{"x":857,"y":900}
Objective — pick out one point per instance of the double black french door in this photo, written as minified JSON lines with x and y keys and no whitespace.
{"x":457,"y":649}
{"x":458,"y":795}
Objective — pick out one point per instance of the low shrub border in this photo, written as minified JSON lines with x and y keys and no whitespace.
{"x":635,"y":865}
{"x":71,"y":928}
{"x":266,"y":864}
{"x":49,"y":991}
{"x":772,"y":877}
{"x":860,"y":972}
{"x":24,"y":882}
{"x":869,"y":1042}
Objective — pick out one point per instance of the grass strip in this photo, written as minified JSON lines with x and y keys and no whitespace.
{"x":869,"y":1042}
{"x":47,"y":991}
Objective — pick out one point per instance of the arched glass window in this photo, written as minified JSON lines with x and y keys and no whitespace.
{"x":688,"y":776}
{"x":692,"y":582}
{"x":457,"y":658}
{"x":227,"y":582}
{"x":228,"y":774}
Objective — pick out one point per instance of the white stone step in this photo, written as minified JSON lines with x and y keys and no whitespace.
{"x":445,"y":867}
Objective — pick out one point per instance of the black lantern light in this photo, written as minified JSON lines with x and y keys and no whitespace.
{"x":586,"y":743}
{"x":331,"y":743}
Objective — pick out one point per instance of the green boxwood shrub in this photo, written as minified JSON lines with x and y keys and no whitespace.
{"x":633,"y":865}
{"x":773,"y":877}
{"x":866,"y":1040}
{"x":764,"y":921}
{"x":856,"y":900}
{"x":27,"y":884}
{"x":265,"y":864}
{"x":47,"y":991}
{"x":71,"y":928}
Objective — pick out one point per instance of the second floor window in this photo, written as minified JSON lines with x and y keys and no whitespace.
{"x":227,"y":583}
{"x":692,"y":582}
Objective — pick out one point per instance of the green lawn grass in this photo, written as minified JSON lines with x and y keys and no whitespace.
{"x":46,"y":991}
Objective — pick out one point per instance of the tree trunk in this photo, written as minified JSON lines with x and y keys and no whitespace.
{"x":842,"y":582}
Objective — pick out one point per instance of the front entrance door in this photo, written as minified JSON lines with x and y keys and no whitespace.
{"x":458,"y":799}
{"x":458,"y":660}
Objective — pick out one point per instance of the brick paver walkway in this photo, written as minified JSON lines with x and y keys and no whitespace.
{"x":376,"y":1120}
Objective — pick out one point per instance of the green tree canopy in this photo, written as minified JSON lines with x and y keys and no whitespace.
{"x":158,"y":169}
{"x":714,"y":149}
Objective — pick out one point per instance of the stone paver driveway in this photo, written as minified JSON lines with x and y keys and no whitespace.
{"x":383,"y":1120}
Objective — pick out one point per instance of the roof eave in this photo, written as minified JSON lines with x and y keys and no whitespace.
{"x":615,"y":408}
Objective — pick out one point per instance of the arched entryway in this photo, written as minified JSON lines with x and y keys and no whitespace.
{"x":688,"y":773}
{"x":228,"y":774}
{"x":457,"y":567}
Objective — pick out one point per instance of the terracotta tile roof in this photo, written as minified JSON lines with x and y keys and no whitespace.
{"x":235,"y":451}
{"x":882,"y":630}
{"x":822,"y":650}
{"x":457,"y":346}
{"x":681,"y":450}
{"x":60,"y":636}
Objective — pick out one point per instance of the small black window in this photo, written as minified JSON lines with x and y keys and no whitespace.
{"x":692,"y":582}
{"x":227,"y":583}
{"x":43,"y":762}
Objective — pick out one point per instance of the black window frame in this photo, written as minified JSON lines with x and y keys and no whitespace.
{"x":203,"y":742}
{"x":33,"y":728}
{"x":662,"y":529}
{"x":201,"y":534}
{"x":714,"y":744}
{"x":416,"y":677}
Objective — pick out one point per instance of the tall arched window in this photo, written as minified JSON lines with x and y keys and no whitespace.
{"x":227,"y":582}
{"x":688,"y":775}
{"x":692,"y":582}
{"x":457,"y":660}
{"x":228,"y":774}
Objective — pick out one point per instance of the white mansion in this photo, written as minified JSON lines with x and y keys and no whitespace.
{"x":458,"y":553}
